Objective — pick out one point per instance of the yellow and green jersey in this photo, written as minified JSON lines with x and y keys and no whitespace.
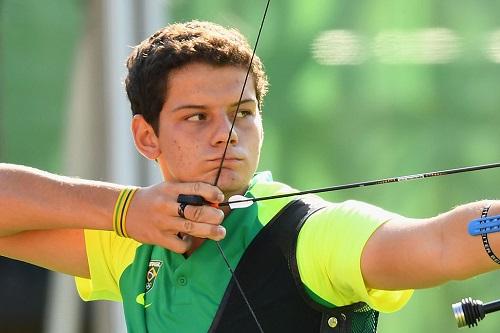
{"x":163,"y":291}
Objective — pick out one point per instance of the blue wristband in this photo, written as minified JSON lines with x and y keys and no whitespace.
{"x":484,"y":225}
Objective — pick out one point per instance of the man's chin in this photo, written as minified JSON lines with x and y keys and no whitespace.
{"x":230,"y":181}
{"x":232,"y":185}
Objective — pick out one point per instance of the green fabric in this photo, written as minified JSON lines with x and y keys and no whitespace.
{"x":183,"y":295}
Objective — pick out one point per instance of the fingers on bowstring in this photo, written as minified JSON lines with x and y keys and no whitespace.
{"x":209,"y":192}
{"x":203,"y":214}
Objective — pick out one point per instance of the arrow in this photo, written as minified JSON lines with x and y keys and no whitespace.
{"x":239,"y":201}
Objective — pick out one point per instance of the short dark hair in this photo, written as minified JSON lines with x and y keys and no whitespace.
{"x":151,"y":62}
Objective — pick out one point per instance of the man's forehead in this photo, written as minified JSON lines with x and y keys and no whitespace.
{"x":199,"y":73}
{"x":202,"y":83}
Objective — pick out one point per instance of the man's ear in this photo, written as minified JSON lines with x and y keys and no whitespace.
{"x":145,"y":138}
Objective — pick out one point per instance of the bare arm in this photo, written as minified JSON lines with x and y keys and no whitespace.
{"x":420,"y":253}
{"x":58,"y":250}
{"x":43,"y":216}
{"x":31,"y":199}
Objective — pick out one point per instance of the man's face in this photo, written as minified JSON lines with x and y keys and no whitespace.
{"x":194,"y":125}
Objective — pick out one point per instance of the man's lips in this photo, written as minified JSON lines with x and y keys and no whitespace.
{"x":230,"y":161}
{"x":226,"y":159}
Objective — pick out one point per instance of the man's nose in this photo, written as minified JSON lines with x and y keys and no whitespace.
{"x":225,"y":131}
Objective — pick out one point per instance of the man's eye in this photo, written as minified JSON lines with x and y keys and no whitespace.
{"x":197,"y":117}
{"x":244,"y":113}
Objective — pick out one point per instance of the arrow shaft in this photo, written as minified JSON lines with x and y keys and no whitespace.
{"x":373,"y":182}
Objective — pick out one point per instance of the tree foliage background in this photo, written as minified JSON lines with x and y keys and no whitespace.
{"x":324,"y":124}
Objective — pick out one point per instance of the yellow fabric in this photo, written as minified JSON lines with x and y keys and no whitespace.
{"x":108,"y":256}
{"x":266,"y":187}
{"x":329,"y":251}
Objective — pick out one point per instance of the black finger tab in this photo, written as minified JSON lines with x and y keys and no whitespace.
{"x":193,"y":200}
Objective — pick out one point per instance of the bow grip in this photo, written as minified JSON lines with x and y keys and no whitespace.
{"x":484,"y":225}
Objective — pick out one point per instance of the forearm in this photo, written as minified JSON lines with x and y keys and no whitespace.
{"x":463,"y":255}
{"x":31,"y":199}
{"x":420,"y":253}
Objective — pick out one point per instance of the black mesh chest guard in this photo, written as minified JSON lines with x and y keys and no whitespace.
{"x":269,"y":277}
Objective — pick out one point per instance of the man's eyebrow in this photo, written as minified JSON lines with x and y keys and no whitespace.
{"x":202,"y":107}
{"x":243,"y":101}
{"x":189,"y":106}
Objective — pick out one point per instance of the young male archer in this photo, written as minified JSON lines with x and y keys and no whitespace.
{"x":184,"y":84}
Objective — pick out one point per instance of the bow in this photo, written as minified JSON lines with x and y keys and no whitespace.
{"x":233,"y":202}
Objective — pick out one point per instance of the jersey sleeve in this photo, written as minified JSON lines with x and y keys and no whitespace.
{"x":108,"y":256}
{"x":329,"y":251}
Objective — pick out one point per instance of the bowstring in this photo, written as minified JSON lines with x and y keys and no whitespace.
{"x":222,"y":162}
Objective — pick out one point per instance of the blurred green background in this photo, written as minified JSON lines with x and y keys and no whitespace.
{"x":359,"y":90}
